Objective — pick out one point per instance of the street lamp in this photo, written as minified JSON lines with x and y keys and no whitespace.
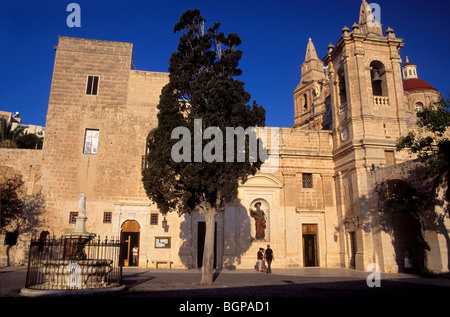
{"x":353,"y":220}
{"x":346,"y":224}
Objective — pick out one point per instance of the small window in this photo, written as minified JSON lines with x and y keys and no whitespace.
{"x":90,"y":142}
{"x":73,"y":216}
{"x":418,"y":106}
{"x":154,"y":219}
{"x":107,"y":217}
{"x":342,"y":89}
{"x":390,"y":158}
{"x":92,"y":85}
{"x":307,"y":180}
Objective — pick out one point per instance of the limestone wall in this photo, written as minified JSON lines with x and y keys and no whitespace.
{"x":123,"y":112}
{"x":391,"y":245}
{"x":26,"y":163}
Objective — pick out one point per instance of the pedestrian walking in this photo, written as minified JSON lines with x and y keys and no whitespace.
{"x":260,"y":257}
{"x":269,"y":258}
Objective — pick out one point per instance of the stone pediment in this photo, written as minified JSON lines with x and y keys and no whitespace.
{"x":263,"y":181}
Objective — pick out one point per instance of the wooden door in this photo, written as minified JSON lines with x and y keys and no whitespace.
{"x":126,"y":249}
{"x":352,"y":249}
{"x":309,"y":243}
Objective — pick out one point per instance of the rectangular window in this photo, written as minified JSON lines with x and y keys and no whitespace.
{"x":73,"y":216}
{"x":154,"y":219}
{"x":92,"y":85}
{"x":90,"y":142}
{"x":390,"y":158}
{"x":107,"y":217}
{"x":307,"y":180}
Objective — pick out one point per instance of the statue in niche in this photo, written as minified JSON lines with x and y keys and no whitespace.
{"x":260,"y":221}
{"x":316,"y":90}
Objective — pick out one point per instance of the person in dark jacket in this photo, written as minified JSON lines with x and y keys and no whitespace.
{"x":269,"y":258}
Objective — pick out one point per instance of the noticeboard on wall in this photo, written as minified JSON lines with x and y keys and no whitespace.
{"x":162,"y":242}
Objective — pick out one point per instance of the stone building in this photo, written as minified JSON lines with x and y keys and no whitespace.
{"x":319,"y":205}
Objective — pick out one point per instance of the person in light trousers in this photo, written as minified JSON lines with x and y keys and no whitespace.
{"x":260,"y":257}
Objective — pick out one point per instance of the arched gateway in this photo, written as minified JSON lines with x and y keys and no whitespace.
{"x":130,"y":234}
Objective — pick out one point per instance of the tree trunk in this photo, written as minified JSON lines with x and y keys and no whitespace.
{"x":208,"y":251}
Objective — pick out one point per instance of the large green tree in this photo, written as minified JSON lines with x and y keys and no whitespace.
{"x":202,"y":102}
{"x":430,"y":142}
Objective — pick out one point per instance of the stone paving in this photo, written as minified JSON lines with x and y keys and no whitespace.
{"x":311,"y":282}
{"x":302,"y":282}
{"x":177,"y":292}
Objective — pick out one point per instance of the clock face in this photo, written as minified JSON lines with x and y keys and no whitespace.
{"x":344,"y":134}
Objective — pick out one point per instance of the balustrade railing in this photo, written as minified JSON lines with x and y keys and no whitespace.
{"x":380,"y":101}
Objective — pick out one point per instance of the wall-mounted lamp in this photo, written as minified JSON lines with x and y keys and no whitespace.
{"x":164,"y":223}
{"x":353,"y":220}
{"x":346,"y":224}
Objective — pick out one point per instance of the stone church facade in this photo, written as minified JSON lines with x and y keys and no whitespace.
{"x":320,"y":205}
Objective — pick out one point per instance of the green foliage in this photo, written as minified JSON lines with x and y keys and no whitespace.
{"x":18,"y":137}
{"x":30,"y":141}
{"x":10,"y":201}
{"x":430,"y":143}
{"x":202,"y":85}
{"x":20,"y":212}
{"x":398,"y":196}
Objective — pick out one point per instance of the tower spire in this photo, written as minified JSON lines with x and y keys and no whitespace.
{"x":312,"y":68}
{"x":369,"y":20}
{"x":310,"y":51}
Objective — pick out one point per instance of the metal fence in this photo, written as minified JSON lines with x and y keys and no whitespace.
{"x":74,"y":263}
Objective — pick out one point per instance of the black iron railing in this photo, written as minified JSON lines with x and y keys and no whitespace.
{"x":71,"y":263}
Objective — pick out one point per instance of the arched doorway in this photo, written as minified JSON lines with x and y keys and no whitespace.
{"x":403,"y":220}
{"x":130,"y":237}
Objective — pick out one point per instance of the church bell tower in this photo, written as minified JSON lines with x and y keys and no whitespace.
{"x":366,"y":89}
{"x":368,"y":114}
{"x":311,"y":93}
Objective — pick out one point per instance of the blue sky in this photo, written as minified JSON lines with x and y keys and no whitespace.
{"x":274,"y":36}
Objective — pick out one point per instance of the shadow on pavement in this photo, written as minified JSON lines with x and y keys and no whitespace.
{"x":290,"y":288}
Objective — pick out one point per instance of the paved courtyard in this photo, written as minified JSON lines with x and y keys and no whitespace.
{"x":302,"y":282}
{"x":243,"y":291}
